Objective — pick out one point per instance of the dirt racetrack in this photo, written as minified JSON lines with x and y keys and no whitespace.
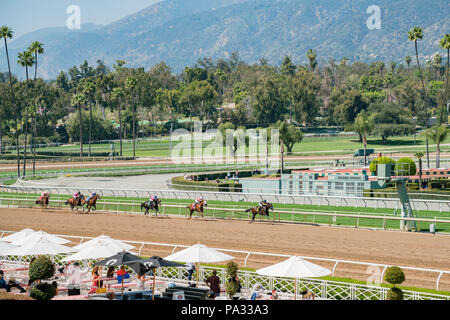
{"x":375,"y":246}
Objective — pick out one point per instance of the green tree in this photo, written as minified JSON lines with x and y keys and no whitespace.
{"x":87,"y":87}
{"x":287,"y":67}
{"x":394,"y":275}
{"x":26,"y":60}
{"x":437,"y":134}
{"x":419,"y":155}
{"x":390,"y":119}
{"x":268,"y":103}
{"x":289,"y":134}
{"x":78,"y":100}
{"x":312,"y":55}
{"x":130,"y":87}
{"x":408,"y":60}
{"x":445,"y":44}
{"x":6,"y":33}
{"x":37,"y":48}
{"x":363,"y":125}
{"x":118,"y":96}
{"x":42,"y":268}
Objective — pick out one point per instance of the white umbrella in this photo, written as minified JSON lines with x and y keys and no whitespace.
{"x":199,"y":254}
{"x":5,"y":246}
{"x":18,"y":235}
{"x":37,"y":235}
{"x":294,"y":267}
{"x":97,"y":250}
{"x":105,"y":239}
{"x":40,"y":246}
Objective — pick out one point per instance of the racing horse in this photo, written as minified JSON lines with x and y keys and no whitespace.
{"x":264,"y":211}
{"x":197,"y":207}
{"x":91,"y":203}
{"x":43,"y":200}
{"x":151,"y":205}
{"x":75,"y":203}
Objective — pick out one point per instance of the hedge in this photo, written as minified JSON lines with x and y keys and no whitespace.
{"x":180,"y":184}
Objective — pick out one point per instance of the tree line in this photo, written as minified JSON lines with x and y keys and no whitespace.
{"x":88,"y":103}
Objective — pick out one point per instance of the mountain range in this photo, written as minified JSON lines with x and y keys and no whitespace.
{"x":180,"y":32}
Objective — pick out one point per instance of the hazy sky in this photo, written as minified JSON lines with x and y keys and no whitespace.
{"x":24,"y":16}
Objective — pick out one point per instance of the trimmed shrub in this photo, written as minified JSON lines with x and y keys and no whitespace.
{"x":381,"y":160}
{"x":43,"y":291}
{"x":394,"y":275}
{"x":41,"y":268}
{"x":231,"y":287}
{"x":394,"y":294}
{"x":405,"y":167}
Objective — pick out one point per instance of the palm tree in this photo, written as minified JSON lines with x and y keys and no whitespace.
{"x":408,"y":60}
{"x":419,"y":155}
{"x":437,"y":134}
{"x":445,"y":44}
{"x":312,"y":55}
{"x":88,"y":89}
{"x":117,"y":95}
{"x":78,"y":99}
{"x":36,"y":48}
{"x":7,"y":33}
{"x":26,"y":60}
{"x":130,"y":86}
{"x":416,"y":34}
{"x":363,"y":125}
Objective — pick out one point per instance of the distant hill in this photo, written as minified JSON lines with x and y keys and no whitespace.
{"x":181,"y":31}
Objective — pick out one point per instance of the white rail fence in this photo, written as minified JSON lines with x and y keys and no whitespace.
{"x":238,"y":213}
{"x":319,"y":200}
{"x":325,"y":289}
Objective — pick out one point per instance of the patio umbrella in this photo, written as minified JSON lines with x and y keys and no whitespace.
{"x":146,"y":265}
{"x":6,"y":246}
{"x":199,"y":253}
{"x":119,"y":259}
{"x":18,"y":235}
{"x":96,"y":250}
{"x":294,"y":267}
{"x":37,"y":235}
{"x":40,"y":246}
{"x":107,"y":239}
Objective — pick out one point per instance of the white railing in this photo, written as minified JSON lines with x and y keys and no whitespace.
{"x":319,"y":200}
{"x":249,"y":281}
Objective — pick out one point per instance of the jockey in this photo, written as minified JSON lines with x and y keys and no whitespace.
{"x":43,"y":195}
{"x":153,"y":198}
{"x":198,"y":200}
{"x":93,"y":194}
{"x":78,"y":196}
{"x":261,"y":204}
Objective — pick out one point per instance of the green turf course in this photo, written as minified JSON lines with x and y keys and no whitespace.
{"x":310,"y":145}
{"x":133,"y":206}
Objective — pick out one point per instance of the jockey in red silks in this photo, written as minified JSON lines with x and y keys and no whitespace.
{"x":153,"y":198}
{"x":43,"y":195}
{"x":197,"y":201}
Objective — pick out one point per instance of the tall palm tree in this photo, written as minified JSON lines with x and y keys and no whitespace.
{"x":118,"y":95}
{"x":130,"y":86}
{"x":26,"y":60}
{"x":408,"y":60}
{"x":445,"y":44}
{"x":78,"y":100}
{"x":37,"y":48}
{"x":437,"y":134}
{"x":363,"y":125}
{"x":419,"y":155}
{"x":312,"y":55}
{"x":7,"y":33}
{"x":88,"y":89}
{"x":415,"y":35}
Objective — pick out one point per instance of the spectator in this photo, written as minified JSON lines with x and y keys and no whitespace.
{"x":55,"y":285}
{"x":256,"y":291}
{"x":111,"y":295}
{"x":10,"y":284}
{"x":3,"y":284}
{"x":140,"y":282}
{"x":73,"y":273}
{"x":122,"y":274}
{"x":110,"y":272}
{"x":190,"y":270}
{"x":309,"y":295}
{"x":213,"y":283}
